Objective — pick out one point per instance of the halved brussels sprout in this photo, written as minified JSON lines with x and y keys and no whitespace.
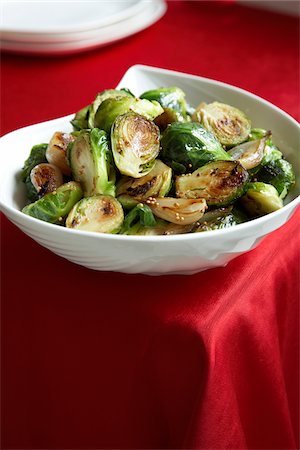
{"x":113,"y":107}
{"x":177,"y":210}
{"x":45,"y":178}
{"x":280,"y":174}
{"x":37,"y":156}
{"x":156,"y":184}
{"x":218,"y":219}
{"x":172,"y":99}
{"x":219,"y":182}
{"x":229,"y":124}
{"x":56,"y":152}
{"x":261,"y":199}
{"x":250,"y":153}
{"x":187,"y":146}
{"x":101,"y":97}
{"x":100,"y":213}
{"x":135,"y":144}
{"x":53,"y":207}
{"x":91,"y":163}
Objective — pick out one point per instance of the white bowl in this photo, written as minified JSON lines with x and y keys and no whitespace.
{"x":154,"y":255}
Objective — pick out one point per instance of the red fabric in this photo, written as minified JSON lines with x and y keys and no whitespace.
{"x":95,"y":360}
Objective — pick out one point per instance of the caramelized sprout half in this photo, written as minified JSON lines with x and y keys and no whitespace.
{"x":229,"y":124}
{"x":100,"y":213}
{"x":135,"y":144}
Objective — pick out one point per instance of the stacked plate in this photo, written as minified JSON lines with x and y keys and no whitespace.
{"x":52,"y":27}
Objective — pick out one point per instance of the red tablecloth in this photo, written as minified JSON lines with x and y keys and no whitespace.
{"x":95,"y":360}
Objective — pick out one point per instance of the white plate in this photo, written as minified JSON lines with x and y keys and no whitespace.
{"x":184,"y":254}
{"x":153,"y":10}
{"x":38,"y":18}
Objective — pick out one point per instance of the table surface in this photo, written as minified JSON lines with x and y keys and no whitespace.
{"x":94,"y":360}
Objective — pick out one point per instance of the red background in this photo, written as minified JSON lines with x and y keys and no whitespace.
{"x":105,"y":360}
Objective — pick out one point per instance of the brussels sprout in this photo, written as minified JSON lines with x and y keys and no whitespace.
{"x":135,"y":144}
{"x":250,"y":153}
{"x":44,"y":178}
{"x":91,"y":163}
{"x":218,"y":219}
{"x":219,"y":182}
{"x":37,"y":156}
{"x":260,"y":199}
{"x":280,"y":174}
{"x":187,"y":146}
{"x":113,"y":107}
{"x":139,"y":217}
{"x":156,"y":184}
{"x":53,"y":207}
{"x":229,"y":124}
{"x":172,"y":99}
{"x":177,"y":210}
{"x":56,"y":152}
{"x":108,"y":93}
{"x":100,"y":213}
{"x":80,"y":121}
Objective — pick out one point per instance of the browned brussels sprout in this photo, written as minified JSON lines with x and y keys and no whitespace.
{"x":260,"y":199}
{"x":135,"y":144}
{"x":219,"y":182}
{"x":100,"y":213}
{"x":91,"y":163}
{"x":156,"y":183}
{"x":229,"y":124}
{"x":188,"y":145}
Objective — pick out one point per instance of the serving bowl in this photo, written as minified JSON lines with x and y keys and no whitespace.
{"x":153,"y":255}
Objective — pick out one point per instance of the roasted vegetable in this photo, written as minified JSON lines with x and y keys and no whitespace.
{"x":156,"y":184}
{"x":56,"y":152}
{"x":251,"y":153}
{"x":91,"y":163}
{"x":135,"y":144}
{"x":113,"y":107}
{"x":54,"y":207}
{"x":219,"y":182}
{"x":260,"y":199}
{"x":280,"y":174}
{"x":100,"y":213}
{"x":187,"y":146}
{"x":229,"y":124}
{"x":177,"y":210}
{"x":104,"y":95}
{"x":139,"y":217}
{"x":44,"y":178}
{"x":172,"y":100}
